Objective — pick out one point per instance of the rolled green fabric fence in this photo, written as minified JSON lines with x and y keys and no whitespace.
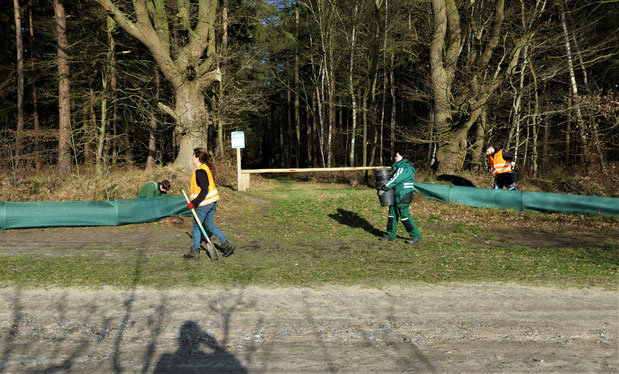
{"x":20,"y":215}
{"x":2,"y":215}
{"x":554,"y":202}
{"x":59,"y":213}
{"x":520,"y":200}
{"x":439,"y":192}
{"x":150,"y":209}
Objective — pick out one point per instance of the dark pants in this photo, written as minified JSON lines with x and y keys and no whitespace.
{"x":504,"y":180}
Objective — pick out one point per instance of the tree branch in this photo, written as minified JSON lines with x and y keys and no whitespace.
{"x":166,"y":109}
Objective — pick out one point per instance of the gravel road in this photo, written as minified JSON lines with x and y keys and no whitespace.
{"x":422,"y":328}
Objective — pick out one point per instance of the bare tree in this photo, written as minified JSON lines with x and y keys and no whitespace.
{"x":351,"y":87}
{"x":479,"y":84}
{"x":297,"y":114}
{"x":64,"y":91}
{"x":19,"y":134}
{"x":35,"y":108}
{"x":190,"y":67}
{"x":574,"y":90}
{"x":152,"y":130}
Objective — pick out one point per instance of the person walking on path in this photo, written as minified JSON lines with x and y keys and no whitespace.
{"x":403,"y":184}
{"x":154,"y":189}
{"x":502,"y":168}
{"x":204,"y":196}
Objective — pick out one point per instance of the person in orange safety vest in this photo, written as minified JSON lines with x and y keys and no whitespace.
{"x":502,"y":167}
{"x":204,"y":197}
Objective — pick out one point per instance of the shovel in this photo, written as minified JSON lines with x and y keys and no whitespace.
{"x":210,"y":248}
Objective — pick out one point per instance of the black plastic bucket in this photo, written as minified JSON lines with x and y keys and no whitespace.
{"x":382,"y":176}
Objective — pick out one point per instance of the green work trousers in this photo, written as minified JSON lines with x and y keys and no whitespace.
{"x":401,"y":212}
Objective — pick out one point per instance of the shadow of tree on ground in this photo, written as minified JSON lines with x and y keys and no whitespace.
{"x":190,"y":358}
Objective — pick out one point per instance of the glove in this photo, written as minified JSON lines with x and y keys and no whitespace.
{"x":384,"y":188}
{"x":190,"y":206}
{"x":380,"y":192}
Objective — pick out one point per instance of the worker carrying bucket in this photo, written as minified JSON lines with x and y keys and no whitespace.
{"x":382,"y":176}
{"x":401,"y":185}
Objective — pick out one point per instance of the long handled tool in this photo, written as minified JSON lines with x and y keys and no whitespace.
{"x":210,"y":248}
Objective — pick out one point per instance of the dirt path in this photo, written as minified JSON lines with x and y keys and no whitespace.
{"x":447,"y":328}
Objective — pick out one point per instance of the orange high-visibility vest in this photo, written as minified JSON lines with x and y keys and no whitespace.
{"x":194,"y":190}
{"x":498,"y":165}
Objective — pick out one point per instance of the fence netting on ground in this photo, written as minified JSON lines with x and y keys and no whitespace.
{"x":519,"y":200}
{"x":20,"y":215}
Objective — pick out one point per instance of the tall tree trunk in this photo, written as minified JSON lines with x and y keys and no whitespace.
{"x":385,"y":81}
{"x":111,"y":26}
{"x":442,"y":75}
{"x":87,"y":131}
{"x":35,"y":107}
{"x":480,"y":134}
{"x":106,"y":79}
{"x":288,"y":116}
{"x":297,"y":115}
{"x":517,"y":105}
{"x":545,"y":146}
{"x":308,"y":111}
{"x":351,"y":87}
{"x":574,"y":91}
{"x":152,"y":130}
{"x":19,"y":134}
{"x":100,"y":159}
{"x":364,"y":110}
{"x":592,"y":119}
{"x":568,"y":131}
{"x":535,"y":120}
{"x":92,"y":131}
{"x":64,"y":92}
{"x":127,"y":144}
{"x":393,"y":105}
{"x":374,"y":58}
{"x":224,"y":72}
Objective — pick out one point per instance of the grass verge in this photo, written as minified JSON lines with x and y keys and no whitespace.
{"x":308,"y":234}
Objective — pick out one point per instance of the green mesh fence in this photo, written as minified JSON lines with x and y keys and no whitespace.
{"x":520,"y":200}
{"x":19,"y":215}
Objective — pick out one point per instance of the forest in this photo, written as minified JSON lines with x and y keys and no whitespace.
{"x":90,"y":86}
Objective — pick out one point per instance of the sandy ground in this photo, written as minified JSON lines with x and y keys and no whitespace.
{"x":451,"y":328}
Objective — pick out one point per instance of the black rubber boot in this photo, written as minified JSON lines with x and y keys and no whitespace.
{"x":228,"y":248}
{"x":194,"y":253}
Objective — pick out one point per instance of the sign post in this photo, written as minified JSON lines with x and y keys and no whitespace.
{"x":238,"y":141}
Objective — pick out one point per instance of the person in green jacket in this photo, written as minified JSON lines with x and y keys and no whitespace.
{"x":403,"y":184}
{"x":154,"y":189}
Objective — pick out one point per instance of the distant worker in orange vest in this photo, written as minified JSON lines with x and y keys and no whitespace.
{"x":502,"y":168}
{"x":204,"y":195}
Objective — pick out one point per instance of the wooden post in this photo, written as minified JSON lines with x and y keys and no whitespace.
{"x":239,"y":176}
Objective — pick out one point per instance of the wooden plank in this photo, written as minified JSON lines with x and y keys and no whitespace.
{"x":306,"y":170}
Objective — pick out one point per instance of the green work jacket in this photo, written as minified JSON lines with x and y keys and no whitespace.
{"x":402,"y":181}
{"x":150,"y":189}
